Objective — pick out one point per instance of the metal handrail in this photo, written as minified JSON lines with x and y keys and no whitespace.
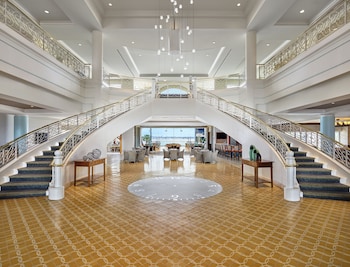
{"x":105,"y":115}
{"x":328,"y":146}
{"x":243,"y":115}
{"x":15,"y":19}
{"x":332,"y":21}
{"x":10,"y":151}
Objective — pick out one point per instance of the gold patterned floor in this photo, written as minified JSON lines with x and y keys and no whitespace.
{"x":105,"y":225}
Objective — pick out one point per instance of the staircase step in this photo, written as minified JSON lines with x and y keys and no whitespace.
{"x":327,"y":195}
{"x":54,"y":148}
{"x":317,"y":171}
{"x":48,"y":153}
{"x":39,"y":163}
{"x":22,"y":194}
{"x":28,"y":185}
{"x":31,"y":177}
{"x":293,"y":148}
{"x":312,"y":178}
{"x":44,"y":158}
{"x":38,"y":170}
{"x":299,"y":154}
{"x":324,"y":187}
{"x":303,"y":164}
{"x":304,"y":159}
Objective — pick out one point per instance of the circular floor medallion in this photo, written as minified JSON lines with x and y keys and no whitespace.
{"x":175,"y":188}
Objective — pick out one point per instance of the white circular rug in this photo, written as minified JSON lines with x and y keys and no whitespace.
{"x":174,"y":188}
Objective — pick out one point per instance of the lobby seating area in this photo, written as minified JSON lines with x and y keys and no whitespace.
{"x":135,"y":155}
{"x":173,"y":154}
{"x":205,"y":156}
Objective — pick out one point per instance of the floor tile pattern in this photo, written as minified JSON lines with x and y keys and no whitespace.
{"x":105,"y":225}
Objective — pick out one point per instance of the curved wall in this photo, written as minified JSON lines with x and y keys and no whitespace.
{"x":181,"y":109}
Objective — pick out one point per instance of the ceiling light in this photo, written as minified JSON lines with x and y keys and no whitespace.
{"x":132,"y":42}
{"x":193,"y":50}
{"x":80,"y":44}
{"x":267,"y":44}
{"x":47,"y":12}
{"x":110,"y":4}
{"x":238,"y":4}
{"x":302,"y":11}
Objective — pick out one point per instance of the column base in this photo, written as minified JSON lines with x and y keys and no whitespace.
{"x":292,"y":194}
{"x":55,"y":193}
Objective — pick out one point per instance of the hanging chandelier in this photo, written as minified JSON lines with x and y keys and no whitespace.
{"x":175,"y":32}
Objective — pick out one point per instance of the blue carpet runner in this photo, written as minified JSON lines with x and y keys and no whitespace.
{"x":316,"y":181}
{"x":32,"y":180}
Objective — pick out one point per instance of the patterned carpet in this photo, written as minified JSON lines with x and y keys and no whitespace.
{"x":106,"y":225}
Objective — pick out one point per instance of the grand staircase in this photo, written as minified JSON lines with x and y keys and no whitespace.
{"x":316,"y":181}
{"x":32,"y":180}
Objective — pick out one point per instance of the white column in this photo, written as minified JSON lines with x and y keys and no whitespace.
{"x":20,"y":125}
{"x":97,"y":57}
{"x":6,"y":128}
{"x":56,"y":187}
{"x":250,"y":67}
{"x":291,"y":189}
{"x":327,"y":125}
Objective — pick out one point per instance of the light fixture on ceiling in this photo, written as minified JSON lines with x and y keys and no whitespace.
{"x":302,"y":11}
{"x":175,"y":30}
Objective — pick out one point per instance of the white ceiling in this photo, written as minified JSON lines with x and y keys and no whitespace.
{"x":219,"y":29}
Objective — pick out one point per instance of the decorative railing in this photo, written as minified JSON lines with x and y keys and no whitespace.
{"x":23,"y":144}
{"x":323,"y":143}
{"x":336,"y":18}
{"x":95,"y":118}
{"x":247,"y":118}
{"x":102,"y":116}
{"x":14,"y":18}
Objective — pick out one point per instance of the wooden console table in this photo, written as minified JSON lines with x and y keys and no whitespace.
{"x":89,"y":165}
{"x":256,"y":165}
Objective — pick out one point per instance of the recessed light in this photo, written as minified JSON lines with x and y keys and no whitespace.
{"x":47,"y":12}
{"x":238,"y":4}
{"x":214,"y":42}
{"x":267,"y":44}
{"x":79,"y":44}
{"x":133,"y":42}
{"x":302,"y":11}
{"x":110,"y":4}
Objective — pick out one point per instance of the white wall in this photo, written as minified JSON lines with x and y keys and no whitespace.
{"x":168,"y":108}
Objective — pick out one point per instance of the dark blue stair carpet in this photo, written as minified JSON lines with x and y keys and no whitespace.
{"x":324,"y":187}
{"x":39,"y":170}
{"x":327,"y":195}
{"x":315,"y":171}
{"x":304,"y":159}
{"x":25,"y":185}
{"x":44,"y":158}
{"x":22,"y":194}
{"x":314,"y":178}
{"x":31,"y":177}
{"x":309,"y":164}
{"x":39,"y":163}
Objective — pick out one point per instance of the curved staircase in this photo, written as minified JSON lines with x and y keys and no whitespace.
{"x":32,"y":180}
{"x":315,"y":181}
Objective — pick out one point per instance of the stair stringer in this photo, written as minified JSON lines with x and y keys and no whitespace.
{"x":328,"y":163}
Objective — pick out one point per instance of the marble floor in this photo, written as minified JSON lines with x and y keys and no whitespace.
{"x":106,"y":225}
